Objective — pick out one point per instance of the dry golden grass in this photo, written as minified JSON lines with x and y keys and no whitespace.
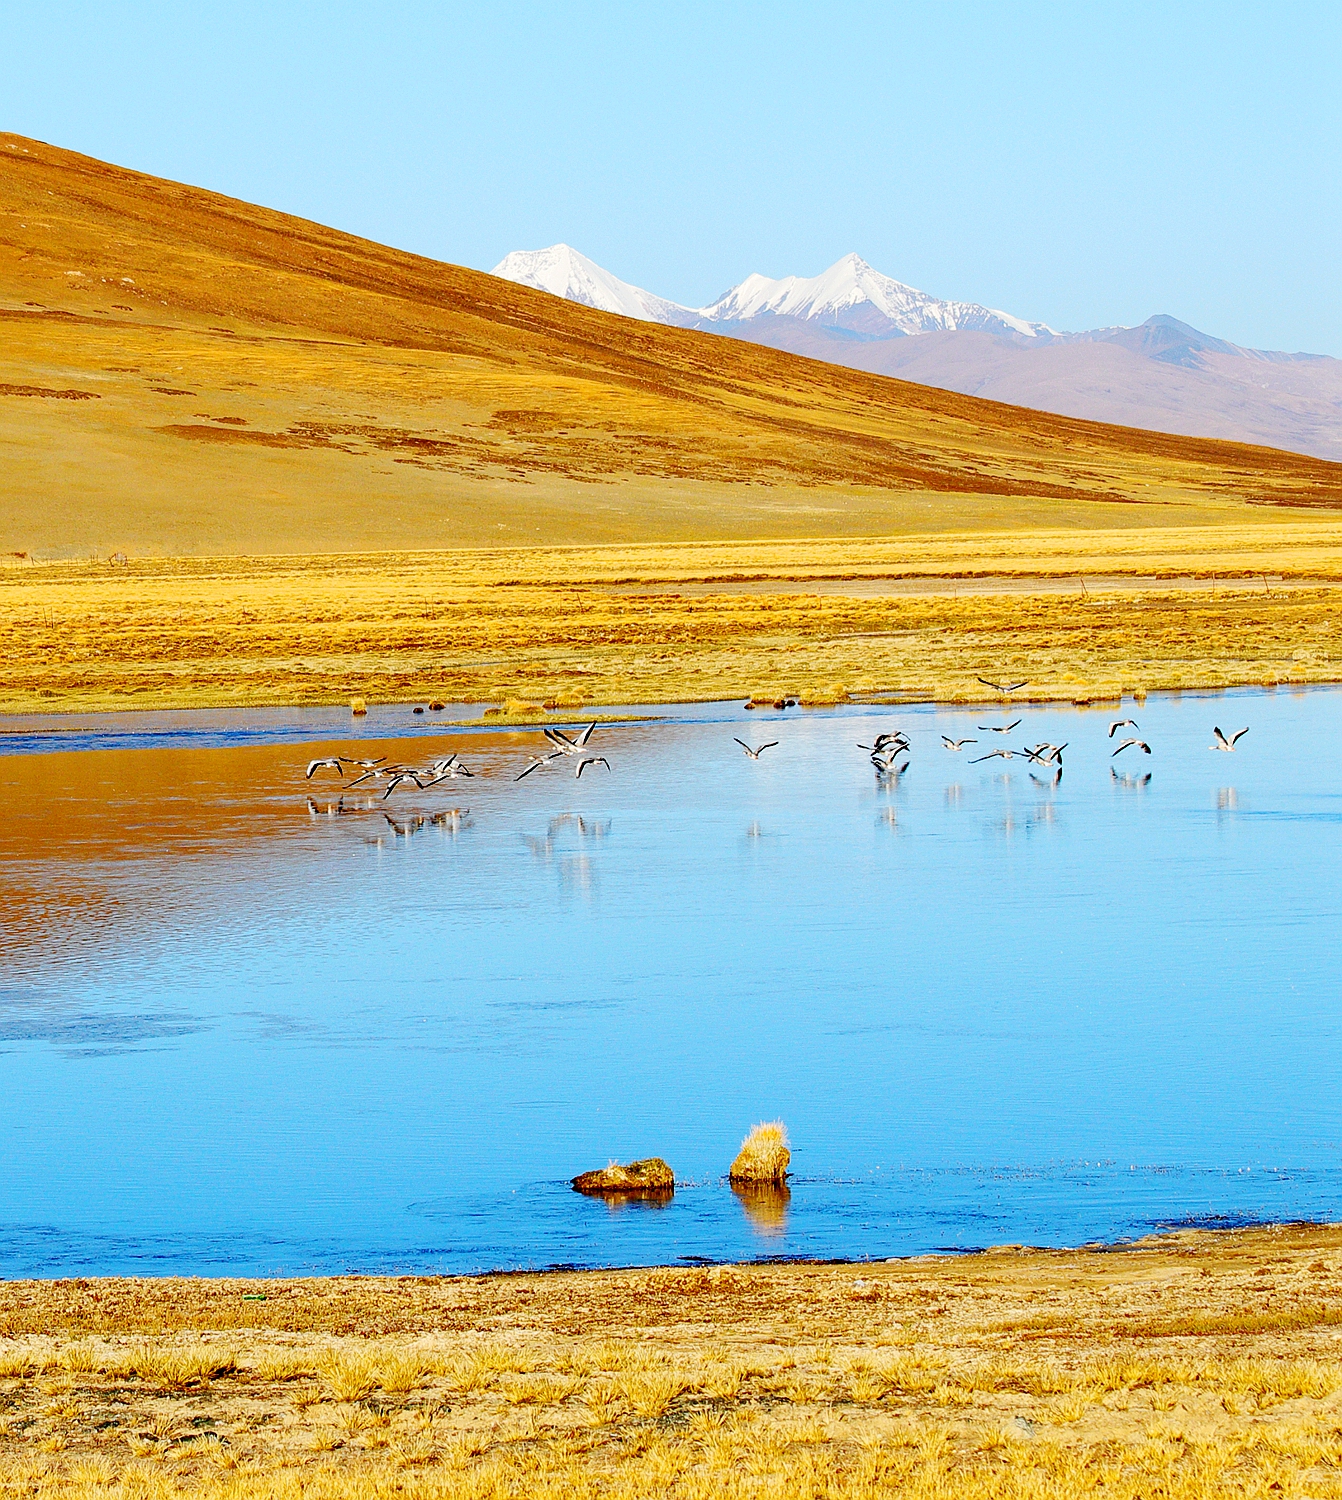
{"x":1194,"y":1366}
{"x":659,"y":624}
{"x":764,"y":1155}
{"x":183,"y":373}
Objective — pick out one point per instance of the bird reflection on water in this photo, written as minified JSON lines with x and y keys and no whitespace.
{"x":544,"y":848}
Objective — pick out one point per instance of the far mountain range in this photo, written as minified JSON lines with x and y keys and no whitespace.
{"x":1162,"y":374}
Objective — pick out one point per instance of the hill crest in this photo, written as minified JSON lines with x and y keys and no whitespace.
{"x":248,"y":381}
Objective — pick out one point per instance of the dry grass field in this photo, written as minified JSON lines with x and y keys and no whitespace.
{"x":182,"y":373}
{"x":1197,"y":1365}
{"x":674,"y":623}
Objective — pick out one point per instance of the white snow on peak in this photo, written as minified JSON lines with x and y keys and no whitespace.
{"x":852,"y":294}
{"x":567,"y":273}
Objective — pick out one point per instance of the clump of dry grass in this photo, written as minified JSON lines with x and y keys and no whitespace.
{"x":358,"y":707}
{"x":173,"y":1367}
{"x":764,"y":1155}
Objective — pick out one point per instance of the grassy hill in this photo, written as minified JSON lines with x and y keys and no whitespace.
{"x":183,"y":373}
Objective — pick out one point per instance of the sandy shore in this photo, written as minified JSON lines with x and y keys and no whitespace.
{"x":1197,"y":1364}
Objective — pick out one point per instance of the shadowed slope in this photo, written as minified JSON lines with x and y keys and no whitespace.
{"x":183,"y":372}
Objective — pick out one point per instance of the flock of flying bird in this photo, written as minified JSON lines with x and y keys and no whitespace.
{"x":452,"y":766}
{"x":889,"y":754}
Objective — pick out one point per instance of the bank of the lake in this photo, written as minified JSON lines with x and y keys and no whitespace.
{"x":1194,"y":1365}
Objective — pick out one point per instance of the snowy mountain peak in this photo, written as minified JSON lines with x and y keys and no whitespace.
{"x":852,"y":295}
{"x":565,"y":272}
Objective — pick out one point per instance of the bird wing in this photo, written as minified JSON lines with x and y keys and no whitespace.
{"x":749,"y":751}
{"x":587,"y":733}
{"x":1237,"y":735}
{"x":1220,"y":738}
{"x":593,"y":760}
{"x":1011,"y":726}
{"x":1142,"y":745}
{"x":558,"y":737}
{"x":769,"y":746}
{"x":996,"y":686}
{"x":1013,"y":686}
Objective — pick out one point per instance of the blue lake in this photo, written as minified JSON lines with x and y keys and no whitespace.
{"x":238,"y":1036}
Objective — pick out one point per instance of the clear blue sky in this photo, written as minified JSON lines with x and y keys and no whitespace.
{"x":1083,"y":164}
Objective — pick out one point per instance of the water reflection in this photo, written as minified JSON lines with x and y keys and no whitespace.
{"x":766,"y":1207}
{"x":1130,"y":781}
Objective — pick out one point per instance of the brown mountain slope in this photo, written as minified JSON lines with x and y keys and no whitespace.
{"x":182,"y":372}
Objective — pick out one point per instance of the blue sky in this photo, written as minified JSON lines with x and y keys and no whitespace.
{"x":1083,"y":164}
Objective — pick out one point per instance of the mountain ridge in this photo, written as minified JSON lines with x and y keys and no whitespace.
{"x":1162,"y":375}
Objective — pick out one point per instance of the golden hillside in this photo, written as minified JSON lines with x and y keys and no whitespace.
{"x":184,"y":373}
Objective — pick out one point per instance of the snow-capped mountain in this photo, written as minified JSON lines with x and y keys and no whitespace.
{"x":1161,"y":375}
{"x":565,"y":272}
{"x":851,"y":296}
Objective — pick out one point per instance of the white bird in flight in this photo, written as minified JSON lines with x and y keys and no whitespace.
{"x":1140,"y":744}
{"x":951,"y":744}
{"x":1001,"y":728}
{"x":1222,"y":743}
{"x":592,"y":760}
{"x":541,"y":763}
{"x":1123,"y":724}
{"x":1003,"y":687}
{"x":755,"y":754}
{"x":567,"y":746}
{"x":333,"y":761}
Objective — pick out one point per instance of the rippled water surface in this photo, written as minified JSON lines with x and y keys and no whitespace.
{"x":238,"y":1033}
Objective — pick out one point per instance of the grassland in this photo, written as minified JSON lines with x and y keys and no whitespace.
{"x":1198,"y":1365}
{"x":182,"y":373}
{"x":645,"y":625}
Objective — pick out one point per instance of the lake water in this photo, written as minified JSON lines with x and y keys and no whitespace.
{"x":240,"y":1037}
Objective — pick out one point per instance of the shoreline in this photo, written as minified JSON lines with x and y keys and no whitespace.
{"x":201,"y":719}
{"x":1196,"y":1363}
